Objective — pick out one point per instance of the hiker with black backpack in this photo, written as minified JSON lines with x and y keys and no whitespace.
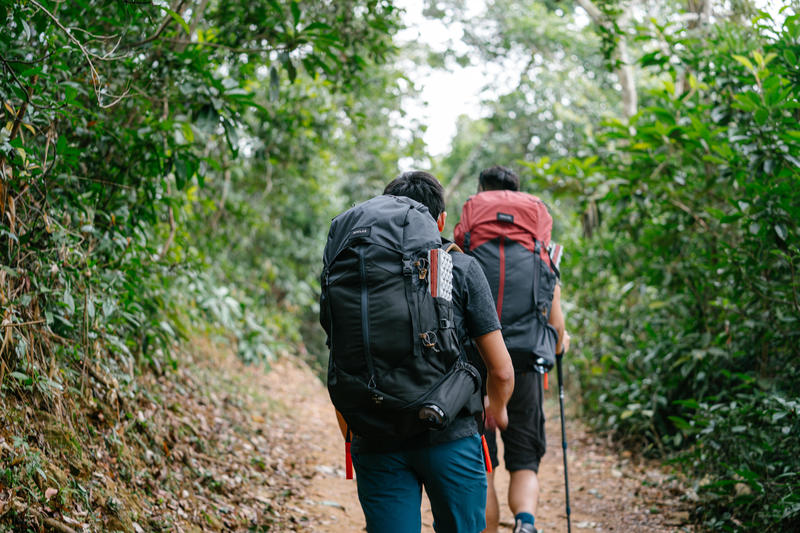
{"x":397,"y":304}
{"x":508,"y":233}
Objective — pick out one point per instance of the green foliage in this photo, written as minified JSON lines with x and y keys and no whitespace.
{"x":166,"y":168}
{"x":24,"y":470}
{"x":743,"y":444}
{"x":681,"y":229}
{"x":688,"y":272}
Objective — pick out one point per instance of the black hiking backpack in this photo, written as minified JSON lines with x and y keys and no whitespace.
{"x":508,"y":233}
{"x":396,"y":367}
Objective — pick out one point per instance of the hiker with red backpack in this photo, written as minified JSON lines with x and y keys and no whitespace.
{"x":508,"y":233}
{"x":398,"y":305}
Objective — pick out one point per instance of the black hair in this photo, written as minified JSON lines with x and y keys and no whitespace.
{"x":419,"y":186}
{"x":498,"y":178}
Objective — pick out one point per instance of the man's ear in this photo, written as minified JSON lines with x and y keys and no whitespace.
{"x":440,"y":221}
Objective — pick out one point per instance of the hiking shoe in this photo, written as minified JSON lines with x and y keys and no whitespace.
{"x":522,"y":527}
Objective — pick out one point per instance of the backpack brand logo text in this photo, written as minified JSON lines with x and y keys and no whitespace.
{"x":505,"y":217}
{"x":360,"y":232}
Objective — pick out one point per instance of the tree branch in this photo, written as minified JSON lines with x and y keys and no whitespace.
{"x":164,"y":23}
{"x":88,"y":55}
{"x":171,"y":237}
{"x":14,"y":132}
{"x":460,"y":174}
{"x":20,"y":324}
{"x":229,"y":48}
{"x":594,"y":13}
{"x":31,"y":62}
{"x":463,"y":168}
{"x":625,"y":72}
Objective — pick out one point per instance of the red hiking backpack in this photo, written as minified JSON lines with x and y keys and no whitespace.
{"x":508,"y":233}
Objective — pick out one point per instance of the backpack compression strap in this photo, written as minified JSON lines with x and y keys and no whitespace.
{"x":453,"y":247}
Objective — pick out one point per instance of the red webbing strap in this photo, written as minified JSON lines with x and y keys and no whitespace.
{"x":348,"y":458}
{"x":434,"y":272}
{"x":486,"y":458}
{"x":546,"y":385}
{"x":501,"y":286}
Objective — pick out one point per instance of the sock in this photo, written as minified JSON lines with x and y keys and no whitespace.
{"x":525,"y":518}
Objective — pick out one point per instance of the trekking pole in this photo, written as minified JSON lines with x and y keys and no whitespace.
{"x":559,"y":370}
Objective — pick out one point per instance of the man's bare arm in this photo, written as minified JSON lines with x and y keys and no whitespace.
{"x":500,"y":375}
{"x":557,"y":321}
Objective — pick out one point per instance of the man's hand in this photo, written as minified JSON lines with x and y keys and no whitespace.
{"x":499,"y":378}
{"x":565,"y":343}
{"x":491,"y":422}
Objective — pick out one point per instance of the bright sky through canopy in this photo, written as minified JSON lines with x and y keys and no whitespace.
{"x":448,"y":93}
{"x":456,"y":91}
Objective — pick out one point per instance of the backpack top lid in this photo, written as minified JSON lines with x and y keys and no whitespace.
{"x":516,"y":215}
{"x":395,"y":222}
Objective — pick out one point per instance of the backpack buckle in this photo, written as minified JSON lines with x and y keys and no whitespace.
{"x":377,"y":398}
{"x":422,"y":265}
{"x":429,"y":340}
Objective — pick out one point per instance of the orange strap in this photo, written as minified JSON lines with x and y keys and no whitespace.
{"x":348,"y":458}
{"x":546,"y":384}
{"x":348,"y":461}
{"x":486,"y":458}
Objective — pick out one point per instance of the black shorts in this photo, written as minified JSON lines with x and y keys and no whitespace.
{"x":523,"y":439}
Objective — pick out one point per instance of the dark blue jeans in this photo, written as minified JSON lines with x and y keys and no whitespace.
{"x":453,"y":474}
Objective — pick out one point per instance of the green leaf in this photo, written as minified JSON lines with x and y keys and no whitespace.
{"x":320,"y":26}
{"x":188,"y":134}
{"x":177,"y":18}
{"x":274,"y":84}
{"x":691,"y":403}
{"x":290,"y":69}
{"x":749,"y":475}
{"x":295,"y":12}
{"x":232,"y":136}
{"x":790,"y":57}
{"x":185,"y":168}
{"x":680,"y":423}
{"x":727,"y":219}
{"x":744,"y":61}
{"x":69,"y":302}
{"x":19,"y":376}
{"x":780,"y":229}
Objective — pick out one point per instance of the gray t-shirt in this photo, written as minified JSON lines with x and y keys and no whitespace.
{"x":474,"y":315}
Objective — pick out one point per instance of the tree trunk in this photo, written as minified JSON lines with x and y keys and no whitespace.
{"x":624,"y":71}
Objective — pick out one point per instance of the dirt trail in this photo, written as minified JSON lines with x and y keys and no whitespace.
{"x":609,"y":491}
{"x":217,"y":445}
